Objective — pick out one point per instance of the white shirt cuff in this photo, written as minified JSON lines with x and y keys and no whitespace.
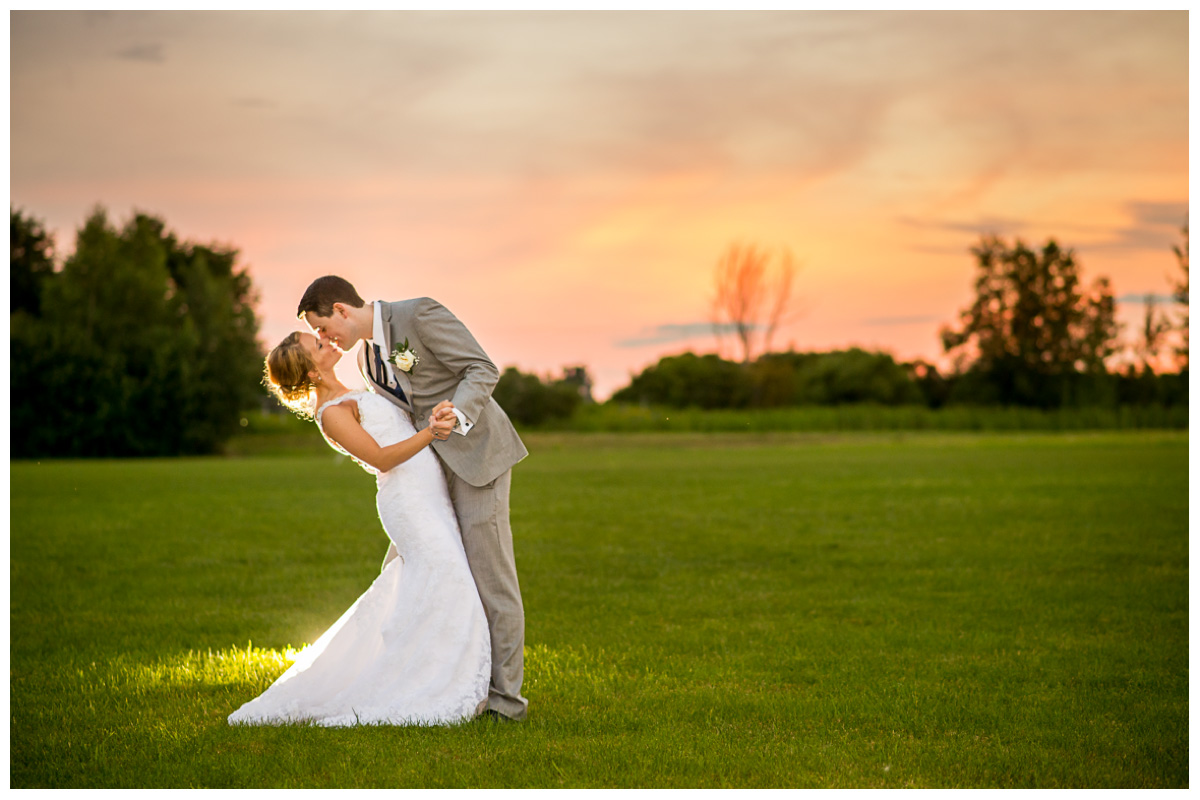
{"x":464,"y":424}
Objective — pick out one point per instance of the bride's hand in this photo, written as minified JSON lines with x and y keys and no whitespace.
{"x":441,"y":427}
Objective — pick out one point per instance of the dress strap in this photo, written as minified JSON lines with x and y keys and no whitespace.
{"x":335,"y":401}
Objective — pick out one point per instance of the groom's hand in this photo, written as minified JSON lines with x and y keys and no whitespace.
{"x":444,"y":412}
{"x":440,"y":428}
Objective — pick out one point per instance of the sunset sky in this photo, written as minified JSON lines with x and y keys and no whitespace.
{"x":565,"y":181}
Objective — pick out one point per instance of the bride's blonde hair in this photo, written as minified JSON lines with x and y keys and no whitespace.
{"x":286,"y":375}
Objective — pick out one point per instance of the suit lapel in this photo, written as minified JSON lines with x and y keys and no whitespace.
{"x":364,"y":364}
{"x":402,"y":378}
{"x":385,"y":314}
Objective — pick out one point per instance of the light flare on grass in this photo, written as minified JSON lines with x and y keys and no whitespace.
{"x":233,"y":665}
{"x":545,"y":667}
{"x":550,"y":668}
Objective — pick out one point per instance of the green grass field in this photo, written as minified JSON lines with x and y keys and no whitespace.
{"x":781,"y":610}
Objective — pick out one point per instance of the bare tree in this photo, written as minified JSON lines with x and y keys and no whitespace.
{"x":751,"y":299}
{"x":1181,"y":294}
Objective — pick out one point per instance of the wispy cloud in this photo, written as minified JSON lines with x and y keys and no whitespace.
{"x":1151,"y":226}
{"x":1001,"y":226}
{"x":1155,"y":226}
{"x":152,"y":53}
{"x":1143,"y":299}
{"x":1173,"y":215}
{"x":662,"y":334}
{"x":921,"y":319}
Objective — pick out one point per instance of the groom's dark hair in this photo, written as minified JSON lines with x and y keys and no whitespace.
{"x":322,"y":293}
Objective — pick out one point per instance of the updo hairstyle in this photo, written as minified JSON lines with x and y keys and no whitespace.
{"x":286,"y":375}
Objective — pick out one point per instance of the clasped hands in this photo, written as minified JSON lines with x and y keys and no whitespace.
{"x":442,"y":420}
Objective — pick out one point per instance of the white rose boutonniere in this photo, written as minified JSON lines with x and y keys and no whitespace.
{"x":403,"y":358}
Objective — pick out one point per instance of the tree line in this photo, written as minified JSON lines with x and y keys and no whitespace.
{"x":141,"y":344}
{"x":138,"y":344}
{"x":1035,"y":336}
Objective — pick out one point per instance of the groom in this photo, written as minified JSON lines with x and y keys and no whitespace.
{"x":443,"y":370}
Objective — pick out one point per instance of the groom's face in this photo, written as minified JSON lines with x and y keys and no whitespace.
{"x":334,"y":329}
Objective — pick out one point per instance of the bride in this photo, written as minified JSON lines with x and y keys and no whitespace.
{"x":414,"y":648}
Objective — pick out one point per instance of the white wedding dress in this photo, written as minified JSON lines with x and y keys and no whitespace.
{"x":414,"y":649}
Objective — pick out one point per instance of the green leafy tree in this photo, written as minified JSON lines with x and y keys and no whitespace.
{"x":933,"y":386}
{"x":213,"y":301}
{"x":1155,"y":326}
{"x":30,"y":274}
{"x":690,"y":381}
{"x":32,"y":262}
{"x":857,"y":376}
{"x":528,"y":400}
{"x":833,"y":378}
{"x":579,"y":378}
{"x":772,"y":381}
{"x":145,"y":346}
{"x":1033,"y":335}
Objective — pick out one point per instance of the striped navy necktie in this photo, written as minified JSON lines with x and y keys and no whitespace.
{"x":381,"y":376}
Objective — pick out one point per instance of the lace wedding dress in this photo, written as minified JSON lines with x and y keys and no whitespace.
{"x":414,"y":649}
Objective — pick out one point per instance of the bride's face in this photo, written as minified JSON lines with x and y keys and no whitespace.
{"x":323,"y":354}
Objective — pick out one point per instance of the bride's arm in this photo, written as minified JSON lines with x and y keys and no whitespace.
{"x":342,"y":427}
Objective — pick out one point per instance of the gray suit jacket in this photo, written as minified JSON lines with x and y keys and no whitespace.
{"x":452,"y":367}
